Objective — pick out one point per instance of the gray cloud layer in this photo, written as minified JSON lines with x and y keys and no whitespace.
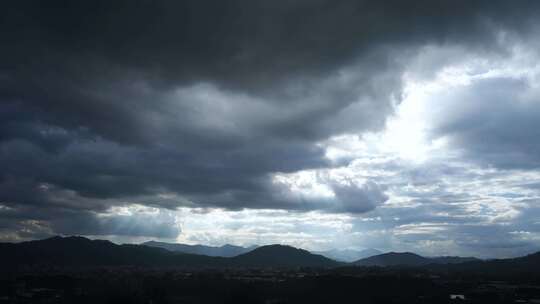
{"x":108,"y":103}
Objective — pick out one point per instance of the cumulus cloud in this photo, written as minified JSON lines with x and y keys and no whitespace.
{"x":318,"y":190}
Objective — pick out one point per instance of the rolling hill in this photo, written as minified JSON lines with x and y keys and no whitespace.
{"x":410,"y":259}
{"x":283,"y":256}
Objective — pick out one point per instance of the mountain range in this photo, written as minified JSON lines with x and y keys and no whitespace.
{"x":228,"y":250}
{"x":83,"y":252}
{"x":222,"y":251}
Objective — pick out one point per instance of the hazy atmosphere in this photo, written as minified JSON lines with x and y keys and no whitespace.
{"x":395,"y":125}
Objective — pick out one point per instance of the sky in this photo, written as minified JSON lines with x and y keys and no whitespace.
{"x":396,"y":125}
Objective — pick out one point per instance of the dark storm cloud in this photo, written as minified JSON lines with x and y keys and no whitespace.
{"x":496,"y":121}
{"x":108,"y":102}
{"x":46,"y":222}
{"x":133,"y":225}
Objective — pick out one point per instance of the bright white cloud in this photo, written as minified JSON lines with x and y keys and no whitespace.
{"x":437,"y":195}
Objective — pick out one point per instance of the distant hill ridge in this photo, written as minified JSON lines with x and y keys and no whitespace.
{"x":226,"y":250}
{"x":348,"y":255}
{"x":525,"y":264}
{"x":409,"y":259}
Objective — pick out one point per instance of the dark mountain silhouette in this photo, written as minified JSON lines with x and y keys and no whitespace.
{"x":515,"y":266}
{"x":283,"y":256}
{"x":348,"y":255}
{"x":223,"y":251}
{"x":410,"y":259}
{"x":83,"y":252}
{"x":80,"y":251}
